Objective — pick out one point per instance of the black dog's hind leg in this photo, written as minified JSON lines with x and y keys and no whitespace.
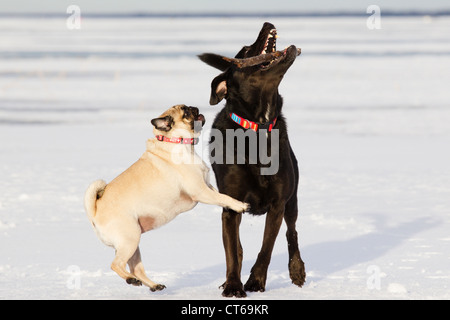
{"x":296,"y":264}
{"x":233,"y":254}
{"x":258,"y":275}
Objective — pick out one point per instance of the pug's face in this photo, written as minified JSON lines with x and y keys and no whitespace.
{"x":180,"y":121}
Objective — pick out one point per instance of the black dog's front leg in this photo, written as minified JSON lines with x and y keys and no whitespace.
{"x":233,"y":253}
{"x":258,"y":275}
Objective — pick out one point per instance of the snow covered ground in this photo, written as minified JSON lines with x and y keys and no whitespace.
{"x":369,"y":119}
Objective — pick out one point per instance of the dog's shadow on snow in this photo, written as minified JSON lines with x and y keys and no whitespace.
{"x":325,"y":258}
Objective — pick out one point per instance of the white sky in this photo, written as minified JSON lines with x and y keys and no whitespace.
{"x":114,"y":6}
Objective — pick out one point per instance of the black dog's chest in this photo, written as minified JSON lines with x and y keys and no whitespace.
{"x":243,"y":182}
{"x":260,"y":197}
{"x":261,"y":172}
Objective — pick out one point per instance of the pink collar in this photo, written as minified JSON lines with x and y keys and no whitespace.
{"x":177,"y":140}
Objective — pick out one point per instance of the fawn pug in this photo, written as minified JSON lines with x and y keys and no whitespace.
{"x":153,"y":191}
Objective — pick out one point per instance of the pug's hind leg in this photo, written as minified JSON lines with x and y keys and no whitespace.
{"x":137,"y":269}
{"x":125,"y":236}
{"x":123,"y":254}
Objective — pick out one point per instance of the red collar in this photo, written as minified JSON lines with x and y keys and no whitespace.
{"x":177,"y":140}
{"x":252,"y":125}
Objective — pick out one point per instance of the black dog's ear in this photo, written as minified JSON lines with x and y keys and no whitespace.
{"x":163,"y":124}
{"x":215,"y":61}
{"x":218,"y":89}
{"x":219,"y":84}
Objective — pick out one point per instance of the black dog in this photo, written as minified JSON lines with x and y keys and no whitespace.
{"x":249,"y":84}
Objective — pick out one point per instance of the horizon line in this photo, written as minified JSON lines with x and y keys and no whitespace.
{"x":144,"y":14}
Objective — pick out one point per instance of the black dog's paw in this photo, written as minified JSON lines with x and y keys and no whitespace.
{"x":298,"y":280}
{"x":235,"y":290}
{"x":297,"y":272}
{"x":254,"y":285}
{"x":158,"y":287}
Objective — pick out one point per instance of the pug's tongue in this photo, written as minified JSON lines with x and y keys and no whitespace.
{"x":201,"y":118}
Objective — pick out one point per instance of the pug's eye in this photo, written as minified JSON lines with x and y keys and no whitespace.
{"x":185,"y":113}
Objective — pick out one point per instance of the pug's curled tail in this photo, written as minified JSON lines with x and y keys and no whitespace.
{"x":93,"y":193}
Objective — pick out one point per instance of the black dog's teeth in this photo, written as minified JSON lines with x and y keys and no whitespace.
{"x":271,"y":42}
{"x":270,"y":46}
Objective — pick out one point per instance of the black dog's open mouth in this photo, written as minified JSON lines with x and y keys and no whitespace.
{"x":268,"y":56}
{"x":269,"y":47}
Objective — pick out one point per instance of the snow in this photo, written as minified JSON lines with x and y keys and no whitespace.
{"x":368,"y":114}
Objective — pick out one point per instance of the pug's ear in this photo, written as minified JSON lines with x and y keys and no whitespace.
{"x":218,"y":89}
{"x":163,"y":123}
